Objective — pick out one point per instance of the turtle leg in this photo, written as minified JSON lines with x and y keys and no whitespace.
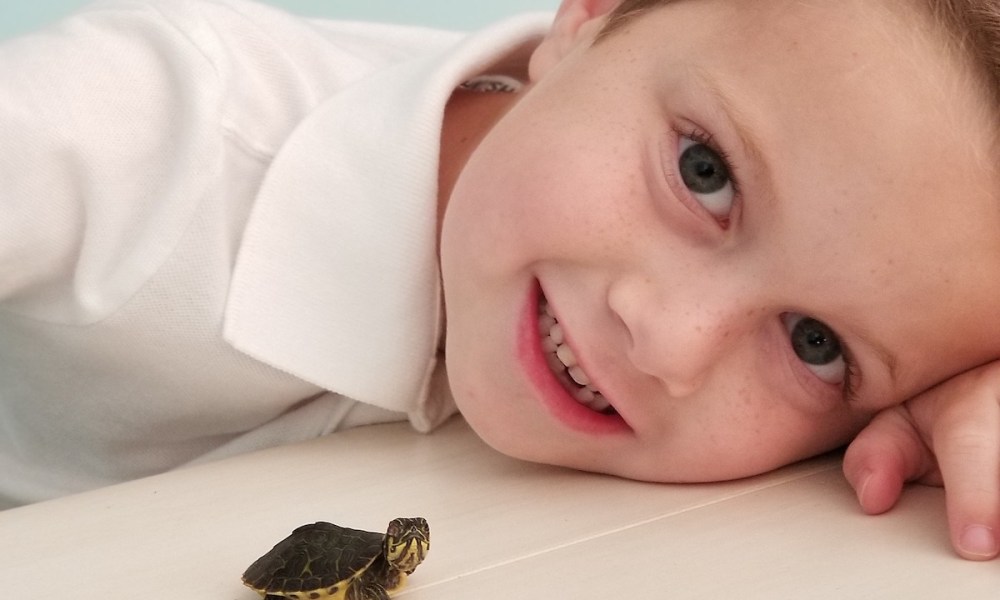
{"x":366,"y":590}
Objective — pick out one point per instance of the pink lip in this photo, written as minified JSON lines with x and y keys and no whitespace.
{"x":555,"y":398}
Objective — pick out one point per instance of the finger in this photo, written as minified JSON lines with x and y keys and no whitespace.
{"x":886,"y":454}
{"x":966,"y":441}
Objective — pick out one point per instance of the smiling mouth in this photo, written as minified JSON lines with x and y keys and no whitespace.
{"x":562,"y":362}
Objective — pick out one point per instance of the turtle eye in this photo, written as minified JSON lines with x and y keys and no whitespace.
{"x":395,"y":529}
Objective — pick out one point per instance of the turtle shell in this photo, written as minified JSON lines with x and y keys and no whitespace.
{"x":314,"y":560}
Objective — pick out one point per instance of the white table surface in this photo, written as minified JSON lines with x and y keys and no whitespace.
{"x":500,"y":528}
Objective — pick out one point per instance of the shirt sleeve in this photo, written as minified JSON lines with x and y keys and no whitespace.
{"x":109,"y":135}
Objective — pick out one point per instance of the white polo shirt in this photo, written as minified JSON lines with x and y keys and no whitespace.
{"x":217,"y":233}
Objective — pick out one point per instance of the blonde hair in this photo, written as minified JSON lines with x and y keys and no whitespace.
{"x":972,"y":26}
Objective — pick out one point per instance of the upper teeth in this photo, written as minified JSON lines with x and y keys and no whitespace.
{"x":562,"y":360}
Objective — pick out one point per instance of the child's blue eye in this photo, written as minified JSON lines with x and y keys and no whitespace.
{"x":706,"y":174}
{"x":817,"y":346}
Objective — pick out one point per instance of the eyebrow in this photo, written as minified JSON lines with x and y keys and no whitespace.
{"x":749,"y":143}
{"x":750,"y":147}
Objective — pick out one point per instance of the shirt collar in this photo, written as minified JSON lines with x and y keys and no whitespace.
{"x":336,"y":281}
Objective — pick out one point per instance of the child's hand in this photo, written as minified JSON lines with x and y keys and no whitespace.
{"x":950,"y":436}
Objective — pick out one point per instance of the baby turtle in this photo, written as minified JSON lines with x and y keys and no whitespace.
{"x":327,"y":561}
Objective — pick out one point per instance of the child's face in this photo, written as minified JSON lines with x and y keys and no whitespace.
{"x":704,"y":301}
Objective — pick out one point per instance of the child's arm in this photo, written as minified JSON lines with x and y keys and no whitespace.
{"x":949,"y":436}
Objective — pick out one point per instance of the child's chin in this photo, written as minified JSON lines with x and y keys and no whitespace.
{"x":508,"y":438}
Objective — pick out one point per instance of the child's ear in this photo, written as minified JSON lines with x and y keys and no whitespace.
{"x":575,"y":21}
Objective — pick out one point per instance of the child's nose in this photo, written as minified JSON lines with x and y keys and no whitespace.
{"x":680,"y":339}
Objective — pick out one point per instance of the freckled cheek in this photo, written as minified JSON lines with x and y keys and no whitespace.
{"x":589,"y":222}
{"x":583,"y":177}
{"x":741,"y":422}
{"x":754,"y":431}
{"x":521,"y":205}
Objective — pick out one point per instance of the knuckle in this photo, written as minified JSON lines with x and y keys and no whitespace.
{"x":967,"y":442}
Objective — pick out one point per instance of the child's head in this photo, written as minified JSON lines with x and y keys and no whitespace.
{"x":736,"y":211}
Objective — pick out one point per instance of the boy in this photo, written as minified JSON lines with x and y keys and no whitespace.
{"x":679,"y":241}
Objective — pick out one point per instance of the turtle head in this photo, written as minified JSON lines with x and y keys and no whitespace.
{"x":407,"y":542}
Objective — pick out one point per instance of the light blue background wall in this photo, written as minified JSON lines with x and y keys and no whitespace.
{"x":17,"y":16}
